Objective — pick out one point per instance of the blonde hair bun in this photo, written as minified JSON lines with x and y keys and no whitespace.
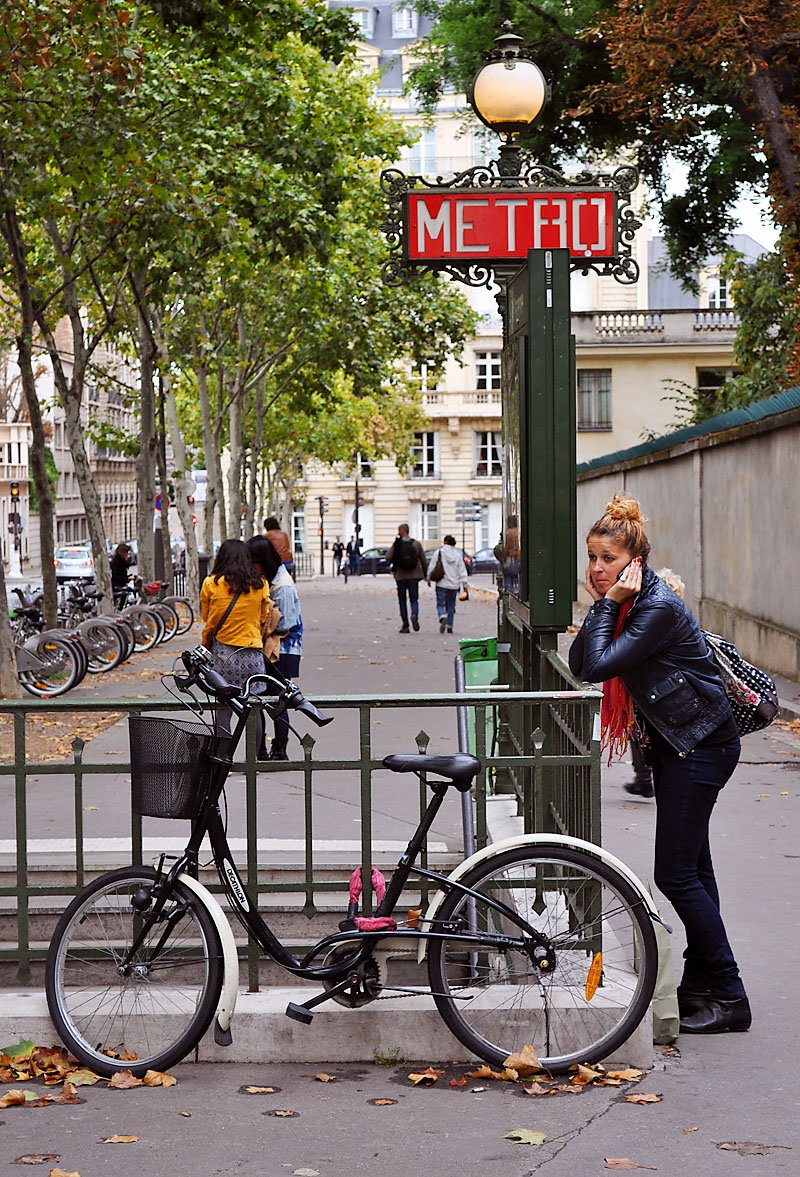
{"x":625,"y":509}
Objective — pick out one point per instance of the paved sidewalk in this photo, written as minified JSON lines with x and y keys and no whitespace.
{"x":729,"y":1088}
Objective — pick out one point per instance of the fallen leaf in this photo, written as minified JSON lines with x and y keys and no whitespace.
{"x":526,"y":1136}
{"x":382,"y":1103}
{"x":188,"y":1115}
{"x":486,"y":1072}
{"x":83,"y":1078}
{"x":120,"y":1140}
{"x":253,"y":1090}
{"x":641,"y":1097}
{"x":462,"y":1082}
{"x":282,"y":1113}
{"x":784,"y":793}
{"x":688,"y":1131}
{"x":322,"y":1077}
{"x":750,"y":1148}
{"x":158,"y":1079}
{"x":525,"y":1062}
{"x":124,"y":1079}
{"x":37,"y":1158}
{"x":626,"y":1163}
{"x":629,"y":1074}
{"x":426,"y":1078}
{"x":61,"y":1173}
{"x":584,"y":1075}
{"x":305,"y":1172}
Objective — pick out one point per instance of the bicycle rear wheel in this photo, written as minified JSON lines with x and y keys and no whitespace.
{"x":148,"y":627}
{"x":149,"y":1015}
{"x":105,"y":645}
{"x":170,"y":619}
{"x":59,"y":669}
{"x":597,"y":982}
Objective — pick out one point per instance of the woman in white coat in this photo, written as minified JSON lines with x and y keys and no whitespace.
{"x":449,"y":573}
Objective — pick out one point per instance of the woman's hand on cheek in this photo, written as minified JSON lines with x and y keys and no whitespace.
{"x":629,"y":585}
{"x":591,"y":590}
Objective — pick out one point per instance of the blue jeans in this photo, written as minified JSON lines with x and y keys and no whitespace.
{"x":446,"y":603}
{"x":686,"y":792}
{"x":410,"y":587}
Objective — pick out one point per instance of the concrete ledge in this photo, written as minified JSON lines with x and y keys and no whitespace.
{"x":406,"y":1028}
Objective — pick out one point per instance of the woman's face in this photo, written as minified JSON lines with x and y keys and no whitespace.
{"x":606,"y":561}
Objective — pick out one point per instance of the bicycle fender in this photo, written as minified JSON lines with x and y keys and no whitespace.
{"x":561,"y":841}
{"x":230,"y":979}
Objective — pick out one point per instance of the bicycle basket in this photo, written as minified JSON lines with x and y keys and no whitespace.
{"x":170,"y":765}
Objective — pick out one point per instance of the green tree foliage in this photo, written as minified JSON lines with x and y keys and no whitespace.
{"x":769,"y":334}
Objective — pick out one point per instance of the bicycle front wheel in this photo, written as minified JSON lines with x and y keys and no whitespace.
{"x":185,"y":613}
{"x":149,"y":1013}
{"x":60,"y":667}
{"x":148,"y":627}
{"x":576,"y":1003}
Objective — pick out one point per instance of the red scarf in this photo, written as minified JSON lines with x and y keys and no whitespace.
{"x":616,"y":711}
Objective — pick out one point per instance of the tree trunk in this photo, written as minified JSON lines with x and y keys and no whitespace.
{"x":180,"y":475}
{"x":209,"y":449}
{"x":164,"y":537}
{"x":9,"y":683}
{"x":220,"y":481}
{"x":146,"y":459}
{"x":12,"y":234}
{"x":775,"y":126}
{"x":255,"y":459}
{"x":235,"y":415}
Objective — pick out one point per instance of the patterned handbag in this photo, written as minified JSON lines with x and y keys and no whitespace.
{"x":751,"y":693}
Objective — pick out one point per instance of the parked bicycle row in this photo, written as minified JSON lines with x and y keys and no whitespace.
{"x":51,"y":662}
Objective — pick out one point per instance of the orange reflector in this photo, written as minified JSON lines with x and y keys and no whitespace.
{"x":594,"y":976}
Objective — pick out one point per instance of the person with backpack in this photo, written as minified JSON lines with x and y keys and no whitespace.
{"x":449,"y":574}
{"x":410,"y":566}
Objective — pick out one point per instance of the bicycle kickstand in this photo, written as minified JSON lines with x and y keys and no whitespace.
{"x":302,"y":1013}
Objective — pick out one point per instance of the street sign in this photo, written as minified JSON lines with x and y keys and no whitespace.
{"x":481,"y":225}
{"x":158,"y":503}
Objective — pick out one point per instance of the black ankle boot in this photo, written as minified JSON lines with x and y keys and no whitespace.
{"x":717,"y":1015}
{"x":690,"y":1001}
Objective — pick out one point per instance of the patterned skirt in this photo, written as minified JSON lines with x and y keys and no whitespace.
{"x":236,"y":664}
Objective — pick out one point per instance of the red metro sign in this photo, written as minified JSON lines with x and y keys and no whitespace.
{"x":480,"y":225}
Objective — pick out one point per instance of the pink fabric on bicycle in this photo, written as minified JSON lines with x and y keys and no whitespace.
{"x":381,"y":923}
{"x":378,"y":884}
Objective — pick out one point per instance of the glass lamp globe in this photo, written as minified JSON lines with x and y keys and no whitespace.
{"x":508,"y":95}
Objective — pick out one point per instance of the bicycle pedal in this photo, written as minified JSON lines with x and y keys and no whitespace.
{"x":299,"y":1013}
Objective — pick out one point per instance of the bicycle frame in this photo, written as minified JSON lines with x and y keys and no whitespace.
{"x":209,"y":821}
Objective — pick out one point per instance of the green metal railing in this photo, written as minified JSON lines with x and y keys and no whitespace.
{"x":553,"y":763}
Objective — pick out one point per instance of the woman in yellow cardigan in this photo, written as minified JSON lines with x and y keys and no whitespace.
{"x":236,"y":588}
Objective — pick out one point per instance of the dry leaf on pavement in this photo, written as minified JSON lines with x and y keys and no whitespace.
{"x":425,"y":1078}
{"x":457,"y":1082}
{"x":382,"y":1103}
{"x":120,"y":1140}
{"x":688,"y":1131}
{"x":626,"y":1163}
{"x":750,"y":1148}
{"x":525,"y":1062}
{"x":322,"y":1077}
{"x":37,"y":1158}
{"x":253,"y":1090}
{"x":526,"y":1136}
{"x":158,"y":1079}
{"x":124,"y":1079}
{"x":61,"y":1173}
{"x":641,"y":1097}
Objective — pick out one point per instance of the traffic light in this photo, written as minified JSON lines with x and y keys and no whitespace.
{"x":15,"y":490}
{"x":323,"y":504}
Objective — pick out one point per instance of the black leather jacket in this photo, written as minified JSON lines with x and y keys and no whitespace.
{"x":663,"y":660}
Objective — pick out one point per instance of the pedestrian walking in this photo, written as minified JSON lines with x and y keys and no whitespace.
{"x":283,"y":593}
{"x":511,"y":555}
{"x":410,"y":566}
{"x":338,"y":553}
{"x":281,"y":542}
{"x":448,"y":573}
{"x":353,"y":556}
{"x":234,"y":605}
{"x":640,"y":640}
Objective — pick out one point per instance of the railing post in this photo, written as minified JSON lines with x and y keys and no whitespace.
{"x":20,"y":787}
{"x":78,"y":744}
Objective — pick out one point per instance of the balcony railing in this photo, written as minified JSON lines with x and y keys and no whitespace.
{"x":657,"y":327}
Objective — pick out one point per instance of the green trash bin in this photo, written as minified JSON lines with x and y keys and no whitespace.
{"x":480,"y":669}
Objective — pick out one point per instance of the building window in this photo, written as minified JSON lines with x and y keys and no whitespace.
{"x":422,"y":154}
{"x":404,"y":21}
{"x":365,"y":21}
{"x":489,"y":454}
{"x":427,"y":376}
{"x":710,"y":383}
{"x":717,"y":290}
{"x":298,"y":529}
{"x":429,"y":522}
{"x":487,"y":370}
{"x":425,"y":454}
{"x":594,"y":399}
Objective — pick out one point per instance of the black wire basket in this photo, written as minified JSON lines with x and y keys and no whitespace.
{"x":170,"y":765}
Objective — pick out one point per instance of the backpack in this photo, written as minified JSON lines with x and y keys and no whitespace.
{"x":405,"y":555}
{"x":751,"y":692}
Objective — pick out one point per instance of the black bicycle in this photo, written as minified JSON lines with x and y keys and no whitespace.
{"x":539,"y":940}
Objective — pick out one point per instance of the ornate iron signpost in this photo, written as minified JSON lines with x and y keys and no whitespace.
{"x":524,"y":227}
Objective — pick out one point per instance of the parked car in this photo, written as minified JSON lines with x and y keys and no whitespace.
{"x":430,"y":554}
{"x":373,"y":560}
{"x":74,"y":563}
{"x":485,"y":561}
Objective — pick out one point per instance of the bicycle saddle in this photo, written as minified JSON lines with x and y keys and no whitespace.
{"x":460,"y":769}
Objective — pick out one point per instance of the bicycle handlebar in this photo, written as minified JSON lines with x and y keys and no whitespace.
{"x":287,"y":696}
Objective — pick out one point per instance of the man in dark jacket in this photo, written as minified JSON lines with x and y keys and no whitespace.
{"x":410,"y":566}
